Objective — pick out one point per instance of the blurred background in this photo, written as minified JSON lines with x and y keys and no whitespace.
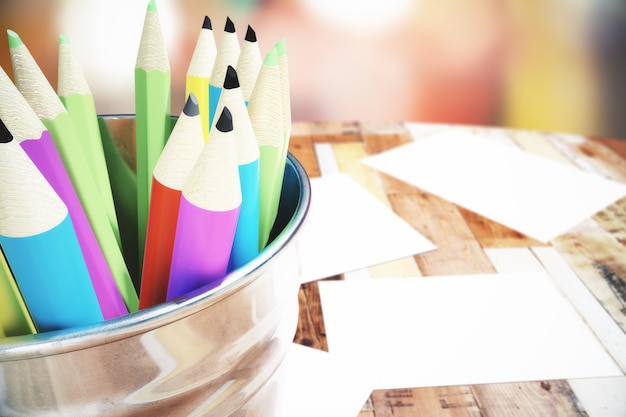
{"x":546,"y":65}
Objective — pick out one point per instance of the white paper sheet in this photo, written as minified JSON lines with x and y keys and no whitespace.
{"x":348,"y":229}
{"x":450,"y":330}
{"x":528,"y":193}
{"x":318,"y":384}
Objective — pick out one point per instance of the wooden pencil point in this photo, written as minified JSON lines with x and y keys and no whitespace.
{"x":225,"y":122}
{"x":250,"y":34}
{"x":231,"y":81}
{"x":207,"y":23}
{"x":5,"y":135}
{"x":230,"y":26}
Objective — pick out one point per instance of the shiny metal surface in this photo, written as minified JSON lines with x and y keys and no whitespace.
{"x":210,"y":353}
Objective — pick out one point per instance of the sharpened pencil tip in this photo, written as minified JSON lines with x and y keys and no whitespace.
{"x":14,"y":39}
{"x":281,"y":47}
{"x":230,"y":26}
{"x":207,"y":23}
{"x":191,"y":106}
{"x":250,"y":34}
{"x":5,"y":135}
{"x":231,"y":80}
{"x":152,"y":7}
{"x":271,"y":58}
{"x":225,"y":122}
{"x":63,"y":40}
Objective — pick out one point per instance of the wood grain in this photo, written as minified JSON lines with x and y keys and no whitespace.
{"x":595,"y":250}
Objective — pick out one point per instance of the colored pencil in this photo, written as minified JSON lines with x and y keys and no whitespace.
{"x":283,"y":64}
{"x":246,"y":243}
{"x":199,"y":72}
{"x":124,"y":189}
{"x":266,"y":117}
{"x":227,"y":54}
{"x":42,"y":98}
{"x":14,"y":316}
{"x":249,"y":64}
{"x":152,"y":108}
{"x":75,"y":94}
{"x":34,"y":138}
{"x":207,"y":218}
{"x":40,"y":245}
{"x":170,"y":173}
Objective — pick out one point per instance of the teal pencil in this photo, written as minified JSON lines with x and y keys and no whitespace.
{"x":246,"y":241}
{"x":153,"y":112}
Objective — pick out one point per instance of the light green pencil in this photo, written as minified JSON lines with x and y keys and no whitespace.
{"x":14,"y":317}
{"x":76,"y":96}
{"x":266,"y":117}
{"x":153,"y":112}
{"x":283,"y":64}
{"x":38,"y":92}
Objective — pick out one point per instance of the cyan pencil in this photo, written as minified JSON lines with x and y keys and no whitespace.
{"x":170,"y":173}
{"x":153,"y":114}
{"x":246,"y":242}
{"x":199,"y":72}
{"x":207,"y":217}
{"x":42,"y":98}
{"x":40,"y":245}
{"x":31,"y":134}
{"x":227,"y":54}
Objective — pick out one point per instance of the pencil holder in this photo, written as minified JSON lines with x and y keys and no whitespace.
{"x":212,"y":352}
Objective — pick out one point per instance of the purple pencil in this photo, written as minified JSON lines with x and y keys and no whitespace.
{"x":208,"y":214}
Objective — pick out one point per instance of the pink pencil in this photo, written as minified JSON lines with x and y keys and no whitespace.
{"x":208,"y":213}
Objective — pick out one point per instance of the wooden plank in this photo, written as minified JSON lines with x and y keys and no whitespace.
{"x":598,"y":259}
{"x":492,"y":234}
{"x":348,"y":156}
{"x":528,"y":399}
{"x":302,"y":148}
{"x":457,"y":401}
{"x":458,"y":251}
{"x":328,"y":131}
{"x":310,"y":331}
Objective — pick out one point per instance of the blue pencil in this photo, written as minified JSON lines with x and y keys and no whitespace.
{"x":40,"y":245}
{"x":227,"y":54}
{"x":246,"y":242}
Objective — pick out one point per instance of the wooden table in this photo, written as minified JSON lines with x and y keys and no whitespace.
{"x":469,"y":243}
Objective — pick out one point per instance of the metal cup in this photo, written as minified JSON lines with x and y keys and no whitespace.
{"x":210,"y":353}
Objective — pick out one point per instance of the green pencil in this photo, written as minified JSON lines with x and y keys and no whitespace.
{"x":153,"y":112}
{"x":38,"y":92}
{"x":14,"y":317}
{"x":266,"y":118}
{"x":76,"y":96}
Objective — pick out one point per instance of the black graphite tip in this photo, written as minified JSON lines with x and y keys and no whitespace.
{"x":191,"y":106}
{"x":230,"y":26}
{"x":5,"y":135}
{"x":231,"y":81}
{"x":207,"y":23}
{"x":250,"y":34}
{"x":225,"y":122}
